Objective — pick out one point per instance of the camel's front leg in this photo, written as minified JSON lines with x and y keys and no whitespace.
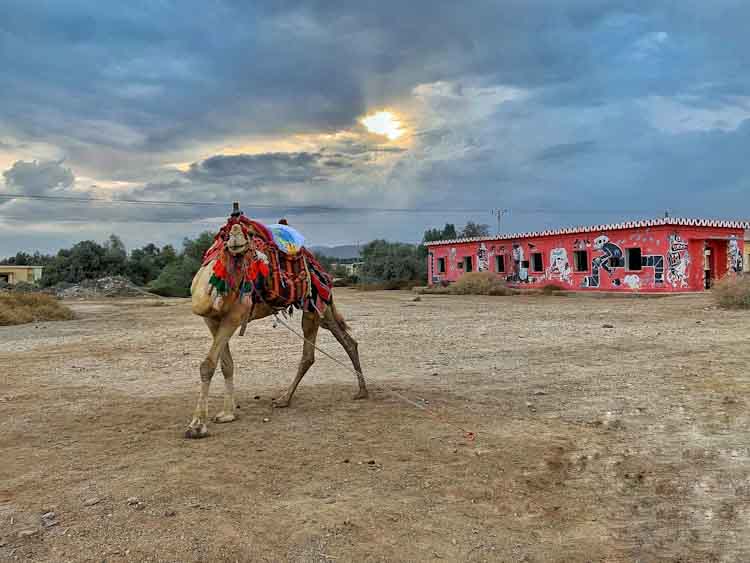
{"x":222,"y":333}
{"x":229,"y":412}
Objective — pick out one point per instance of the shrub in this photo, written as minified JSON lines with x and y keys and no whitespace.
{"x":733,"y":292}
{"x":480,"y":283}
{"x":175,"y":278}
{"x":551,"y":288}
{"x":20,"y":308}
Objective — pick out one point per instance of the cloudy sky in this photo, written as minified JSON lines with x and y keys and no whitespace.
{"x":564,"y":112}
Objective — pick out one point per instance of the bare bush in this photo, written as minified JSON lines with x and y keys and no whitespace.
{"x":552,"y":288}
{"x":733,"y":292}
{"x":20,"y":308}
{"x":480,"y":283}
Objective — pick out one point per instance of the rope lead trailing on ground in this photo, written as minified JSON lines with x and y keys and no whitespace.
{"x":470,"y":436}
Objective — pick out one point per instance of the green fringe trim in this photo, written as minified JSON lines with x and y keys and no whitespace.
{"x":219,"y":284}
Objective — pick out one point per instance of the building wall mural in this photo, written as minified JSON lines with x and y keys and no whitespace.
{"x":735,"y":255}
{"x":519,"y":269}
{"x":608,"y":260}
{"x":678,"y":261}
{"x":632,"y":281}
{"x":559,"y":266}
{"x":667,"y":258}
{"x":483,"y":258}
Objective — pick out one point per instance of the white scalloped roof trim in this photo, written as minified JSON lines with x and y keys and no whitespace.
{"x":664,"y":221}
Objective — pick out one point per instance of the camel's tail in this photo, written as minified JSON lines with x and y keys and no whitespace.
{"x":338,"y":317}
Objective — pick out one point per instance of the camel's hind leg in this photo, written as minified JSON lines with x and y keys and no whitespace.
{"x":310,"y":325}
{"x":335,"y":324}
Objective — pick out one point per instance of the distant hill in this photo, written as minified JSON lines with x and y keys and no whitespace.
{"x":344,"y":251}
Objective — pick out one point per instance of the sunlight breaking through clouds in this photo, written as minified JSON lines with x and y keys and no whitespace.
{"x":383,"y":123}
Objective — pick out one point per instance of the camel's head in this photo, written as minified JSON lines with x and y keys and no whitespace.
{"x":237,"y":241}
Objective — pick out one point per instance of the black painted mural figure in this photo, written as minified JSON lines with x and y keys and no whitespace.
{"x":610,"y":259}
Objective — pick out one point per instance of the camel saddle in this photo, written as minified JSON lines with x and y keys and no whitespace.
{"x":277,"y":270}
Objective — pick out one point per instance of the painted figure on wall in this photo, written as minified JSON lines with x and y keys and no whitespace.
{"x":559,"y":266}
{"x":483,"y":259}
{"x":735,"y":256}
{"x":520,"y":272}
{"x":632,"y":281}
{"x":452,"y":259}
{"x":678,"y":260}
{"x":433,"y":270}
{"x":609,"y":259}
{"x":655,"y":261}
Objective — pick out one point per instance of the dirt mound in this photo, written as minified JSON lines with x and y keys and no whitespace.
{"x":110,"y":286}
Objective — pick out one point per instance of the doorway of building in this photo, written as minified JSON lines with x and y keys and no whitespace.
{"x":708,"y":276}
{"x":4,"y":278}
{"x":715,"y":264}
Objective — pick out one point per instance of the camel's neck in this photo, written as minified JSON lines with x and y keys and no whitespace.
{"x":229,"y":273}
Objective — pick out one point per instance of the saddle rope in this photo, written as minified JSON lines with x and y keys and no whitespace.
{"x":470,"y":436}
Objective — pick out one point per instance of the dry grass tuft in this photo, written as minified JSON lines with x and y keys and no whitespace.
{"x":480,"y":283}
{"x":20,"y":308}
{"x":733,"y":292}
{"x":551,"y":289}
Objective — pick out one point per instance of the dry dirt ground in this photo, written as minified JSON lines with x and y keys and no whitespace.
{"x":625,"y":442}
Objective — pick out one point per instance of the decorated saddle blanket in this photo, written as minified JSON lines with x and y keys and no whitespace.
{"x":266,"y":273}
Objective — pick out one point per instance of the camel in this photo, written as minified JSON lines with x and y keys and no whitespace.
{"x":224,"y":316}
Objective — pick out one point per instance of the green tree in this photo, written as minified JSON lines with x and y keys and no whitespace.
{"x":115,"y":257}
{"x":392,"y":263}
{"x":472,"y":229}
{"x":26,"y":259}
{"x":145,"y":264}
{"x":85,"y":260}
{"x":177,"y":275}
{"x":195,"y":249}
{"x":446,"y":233}
{"x":430,"y":235}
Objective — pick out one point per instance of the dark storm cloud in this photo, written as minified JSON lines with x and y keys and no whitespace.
{"x":583,"y":104}
{"x":257,"y":168}
{"x":173,"y":72}
{"x":38,"y":178}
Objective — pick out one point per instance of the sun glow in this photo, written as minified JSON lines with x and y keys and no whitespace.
{"x":383,"y":123}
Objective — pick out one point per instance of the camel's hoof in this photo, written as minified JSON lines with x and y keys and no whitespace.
{"x":362,"y":394}
{"x":223,"y":417}
{"x":281,"y":403}
{"x":196,"y":432}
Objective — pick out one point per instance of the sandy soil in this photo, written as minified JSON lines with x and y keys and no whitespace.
{"x":627,"y":443}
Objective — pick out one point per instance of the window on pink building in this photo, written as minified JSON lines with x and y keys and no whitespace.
{"x":581,"y":259}
{"x":499,"y":263}
{"x":537,"y":262}
{"x":633,"y":259}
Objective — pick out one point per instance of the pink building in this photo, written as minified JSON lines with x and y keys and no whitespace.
{"x":668,"y":254}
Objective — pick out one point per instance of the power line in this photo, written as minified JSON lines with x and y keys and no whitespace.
{"x":288,"y":207}
{"x":324,"y":208}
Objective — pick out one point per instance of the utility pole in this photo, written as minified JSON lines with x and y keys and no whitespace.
{"x":499,"y":213}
